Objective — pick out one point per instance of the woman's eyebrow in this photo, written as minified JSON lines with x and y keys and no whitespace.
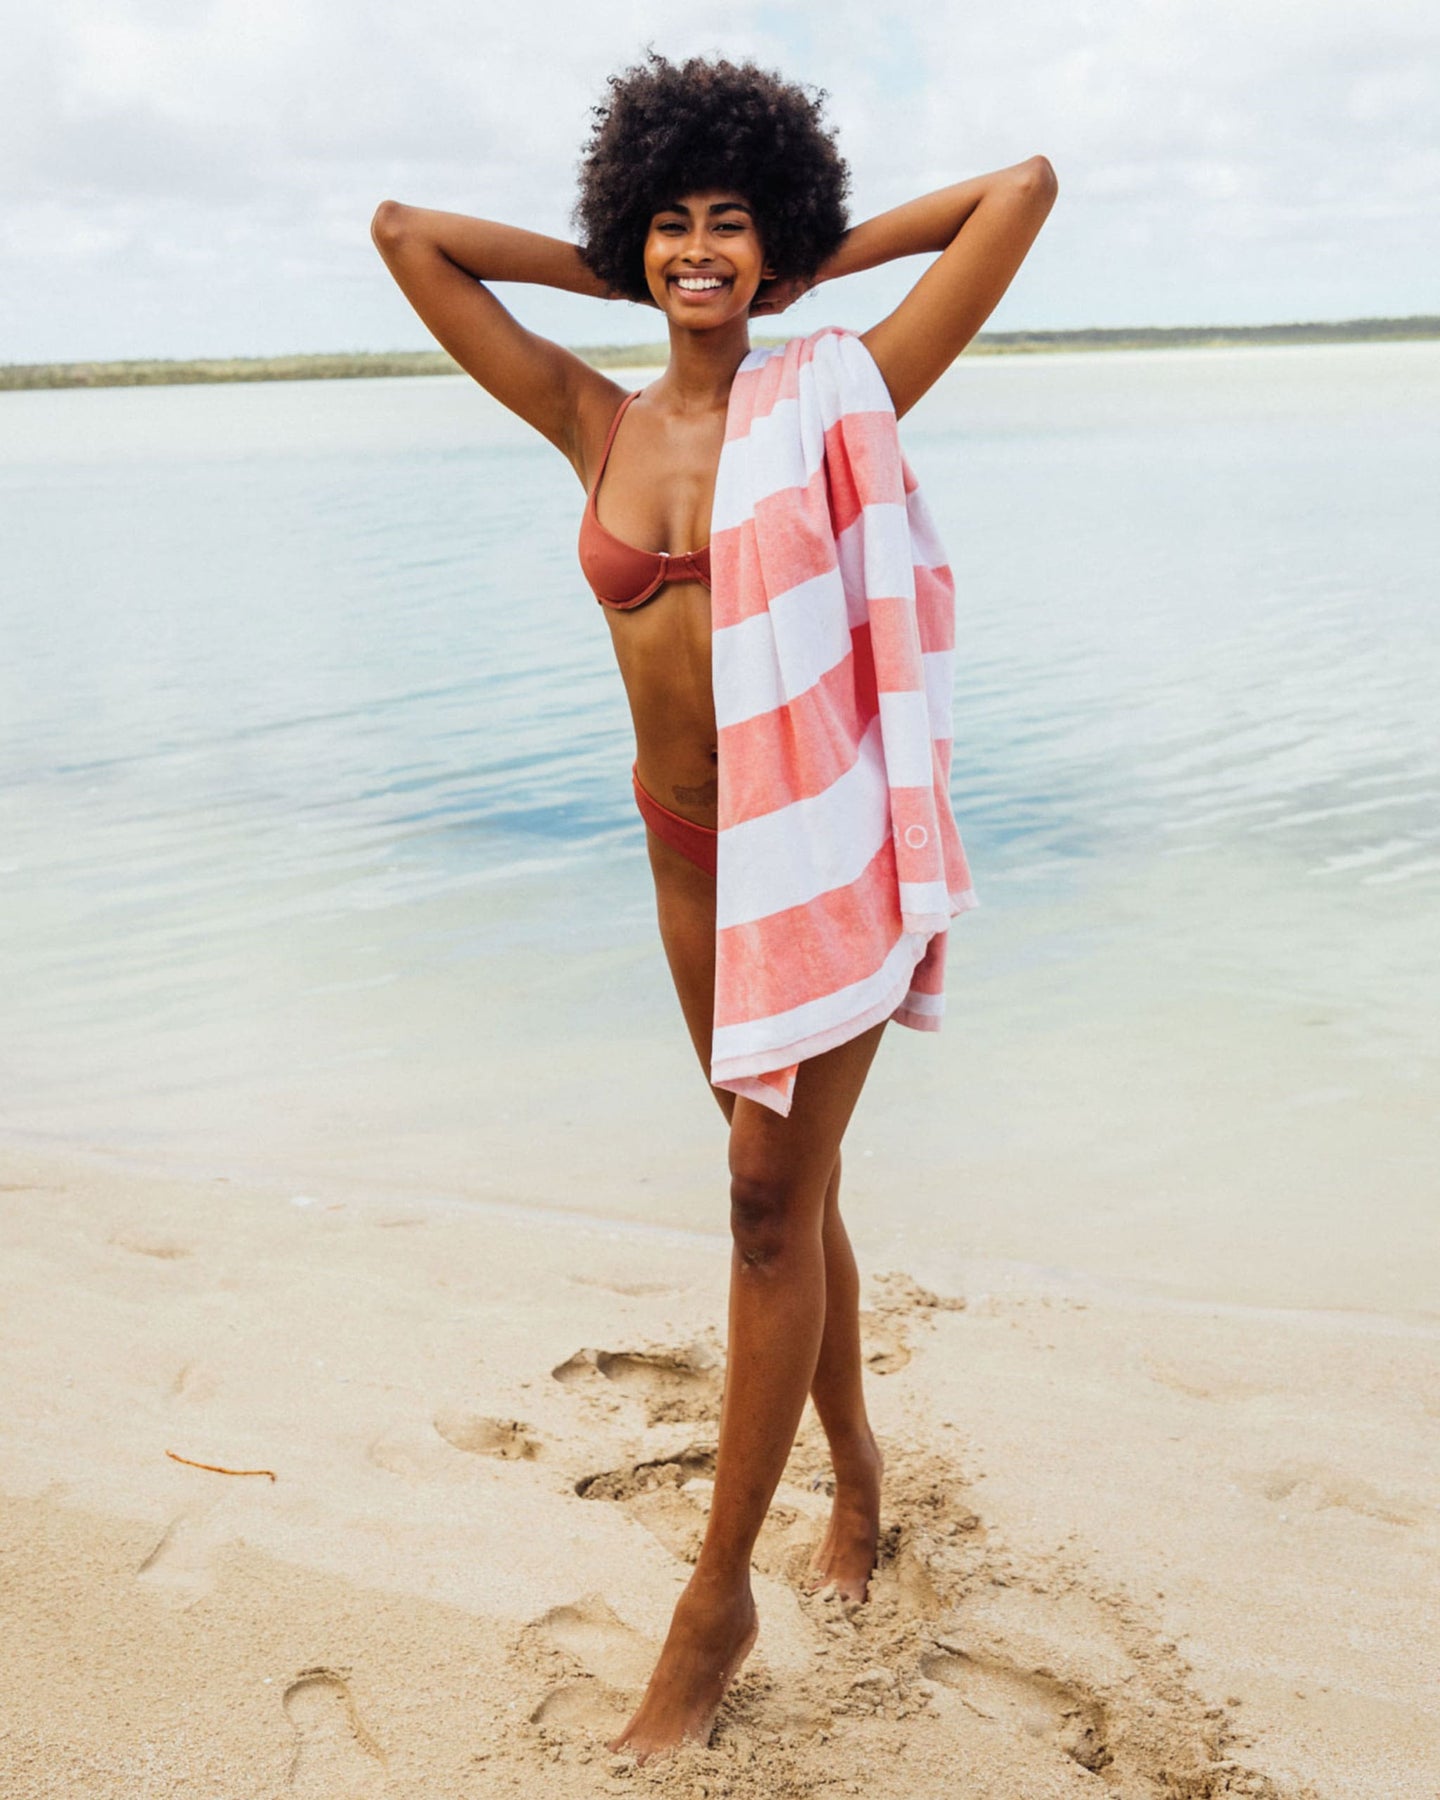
{"x":715,"y":206}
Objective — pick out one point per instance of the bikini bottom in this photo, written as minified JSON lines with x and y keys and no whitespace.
{"x":694,"y":842}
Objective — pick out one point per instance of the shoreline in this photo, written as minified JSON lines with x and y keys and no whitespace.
{"x":370,"y":365}
{"x":1052,"y":1282}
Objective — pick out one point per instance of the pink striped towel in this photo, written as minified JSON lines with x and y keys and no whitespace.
{"x":839,"y":865}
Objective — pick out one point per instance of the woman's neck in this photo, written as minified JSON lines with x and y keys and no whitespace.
{"x":702,"y":366}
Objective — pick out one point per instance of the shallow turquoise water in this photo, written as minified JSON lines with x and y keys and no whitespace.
{"x":317,"y":856}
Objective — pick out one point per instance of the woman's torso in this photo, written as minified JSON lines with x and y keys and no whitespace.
{"x":655,"y":493}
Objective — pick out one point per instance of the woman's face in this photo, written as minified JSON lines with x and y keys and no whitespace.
{"x":704,"y":261}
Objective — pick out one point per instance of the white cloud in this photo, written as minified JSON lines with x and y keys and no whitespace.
{"x":181,"y":178}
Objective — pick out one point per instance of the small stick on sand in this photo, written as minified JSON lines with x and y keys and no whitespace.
{"x":216,"y":1469}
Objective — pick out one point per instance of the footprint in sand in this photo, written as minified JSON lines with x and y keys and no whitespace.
{"x":668,"y":1495}
{"x":600,"y":1641}
{"x":1024,"y":1701}
{"x":673,"y":1384}
{"x":178,"y":1565}
{"x":334,"y":1755}
{"x":1061,"y":1667}
{"x":412,"y":1451}
{"x":419,"y":1451}
{"x":1315,"y":1488}
{"x":614,"y":1663}
{"x":195,"y":1381}
{"x":586,"y":1707}
{"x":640,"y":1478}
{"x":510,"y":1439}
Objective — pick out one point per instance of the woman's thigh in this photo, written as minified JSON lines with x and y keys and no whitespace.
{"x":795,"y":1156}
{"x":685,"y":908}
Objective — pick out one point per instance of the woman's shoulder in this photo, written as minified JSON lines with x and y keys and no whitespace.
{"x":835,"y":354}
{"x":803,"y":341}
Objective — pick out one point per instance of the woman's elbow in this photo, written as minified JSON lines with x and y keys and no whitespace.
{"x":388,"y":224}
{"x":1040,"y":172}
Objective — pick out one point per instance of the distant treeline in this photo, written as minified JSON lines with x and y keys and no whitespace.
{"x":335,"y":367}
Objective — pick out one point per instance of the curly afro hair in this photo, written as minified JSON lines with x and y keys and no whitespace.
{"x":668,"y":130}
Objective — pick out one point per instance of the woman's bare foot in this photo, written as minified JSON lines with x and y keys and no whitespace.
{"x":846,"y":1556}
{"x":711,"y":1633}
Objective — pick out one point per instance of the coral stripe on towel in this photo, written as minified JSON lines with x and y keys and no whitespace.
{"x":839,"y":863}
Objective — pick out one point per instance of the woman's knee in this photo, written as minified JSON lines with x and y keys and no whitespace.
{"x":770,"y":1213}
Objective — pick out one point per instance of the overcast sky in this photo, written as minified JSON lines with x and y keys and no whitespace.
{"x":196,"y":177}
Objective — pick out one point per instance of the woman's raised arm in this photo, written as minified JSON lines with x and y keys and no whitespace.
{"x":983,"y":229}
{"x":441,"y":261}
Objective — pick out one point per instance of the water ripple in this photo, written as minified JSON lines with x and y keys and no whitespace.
{"x":348,"y":671}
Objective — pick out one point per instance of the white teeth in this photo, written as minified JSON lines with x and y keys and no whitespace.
{"x":698,"y":283}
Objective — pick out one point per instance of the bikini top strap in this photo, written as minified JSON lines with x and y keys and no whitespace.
{"x":610,"y":437}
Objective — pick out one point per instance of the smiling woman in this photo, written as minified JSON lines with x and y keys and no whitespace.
{"x":713,"y":192}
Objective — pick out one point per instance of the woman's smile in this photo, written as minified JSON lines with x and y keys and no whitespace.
{"x":699,"y":287}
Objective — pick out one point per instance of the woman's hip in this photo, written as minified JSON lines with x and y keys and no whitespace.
{"x":696,"y":843}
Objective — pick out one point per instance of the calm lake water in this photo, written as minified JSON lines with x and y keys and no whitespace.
{"x":318,"y":862}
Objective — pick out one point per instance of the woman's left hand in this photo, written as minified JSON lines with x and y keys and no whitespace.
{"x":776,"y":296}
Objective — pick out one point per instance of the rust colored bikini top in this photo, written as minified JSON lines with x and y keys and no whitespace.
{"x":620,"y":575}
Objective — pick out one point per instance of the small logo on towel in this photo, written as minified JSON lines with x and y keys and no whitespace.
{"x":916,"y":836}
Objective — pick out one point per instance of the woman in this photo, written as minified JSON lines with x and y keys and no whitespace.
{"x":712,"y":192}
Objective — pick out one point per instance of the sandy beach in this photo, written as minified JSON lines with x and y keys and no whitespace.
{"x":1131,"y":1547}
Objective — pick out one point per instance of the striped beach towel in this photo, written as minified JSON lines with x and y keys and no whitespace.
{"x":839,"y":865}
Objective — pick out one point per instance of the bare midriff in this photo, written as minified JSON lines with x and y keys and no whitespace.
{"x":663,"y":651}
